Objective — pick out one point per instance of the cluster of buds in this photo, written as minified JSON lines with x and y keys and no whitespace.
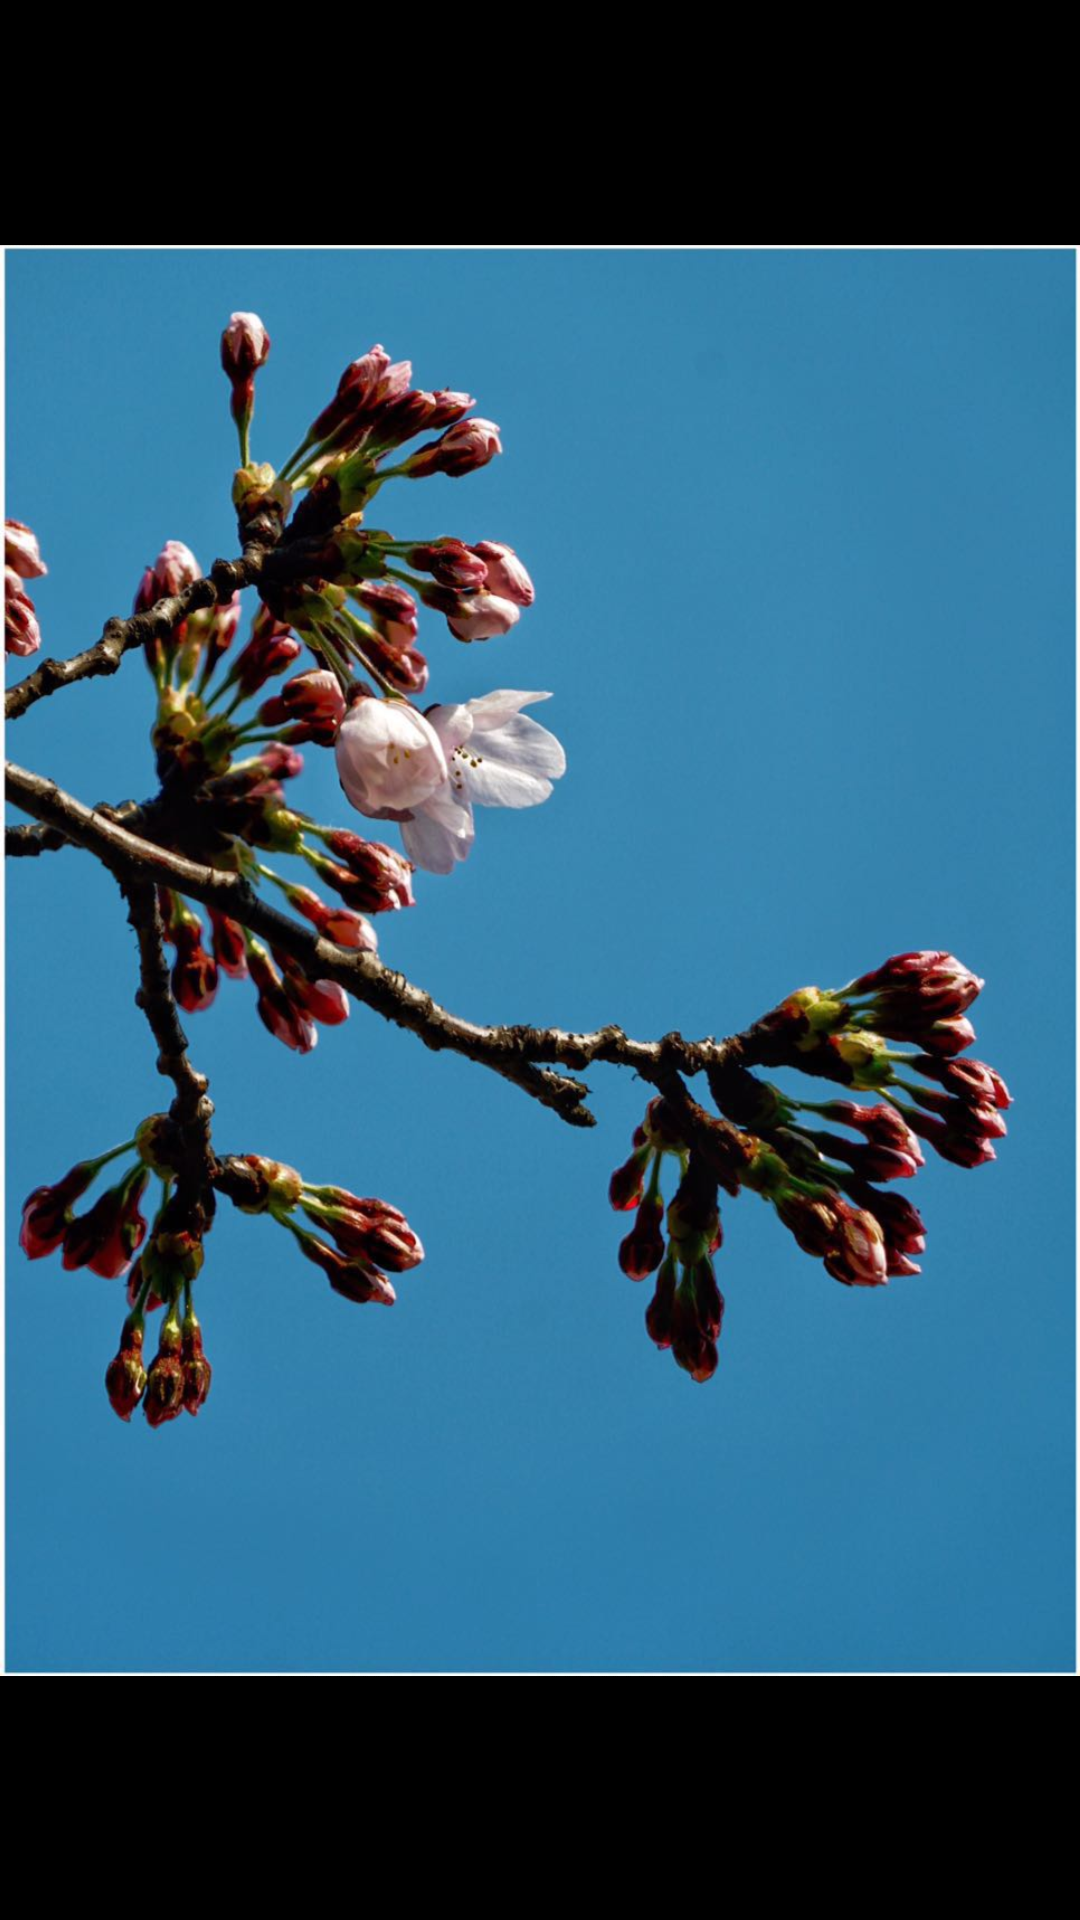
{"x":22,"y":561}
{"x":816,"y":1162}
{"x":366,"y":1238}
{"x":687,"y":1309}
{"x":844,"y":1034}
{"x":106,"y":1239}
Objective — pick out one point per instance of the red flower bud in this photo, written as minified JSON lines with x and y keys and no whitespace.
{"x":125,"y":1376}
{"x":194,"y":974}
{"x":194,"y":1365}
{"x":46,"y":1213}
{"x":279,"y":1015}
{"x":385,"y":874}
{"x":230,"y":947}
{"x":164,"y":1396}
{"x":643,"y":1248}
{"x":450,"y":562}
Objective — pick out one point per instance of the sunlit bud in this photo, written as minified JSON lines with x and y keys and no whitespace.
{"x":321,"y":1000}
{"x":901,"y":1223}
{"x":869,"y":1158}
{"x":481,"y":616}
{"x":21,"y":550}
{"x":335,"y":923}
{"x":970,"y":1079}
{"x":164,"y":1396}
{"x":386,"y":873}
{"x":882,"y":1125}
{"x":948,"y":1036}
{"x":194,"y":974}
{"x":898,"y":1263}
{"x":245,"y":346}
{"x":856,"y":1255}
{"x":812,"y":1221}
{"x":392,"y":609}
{"x":964,"y":1139}
{"x":643,"y":1248}
{"x":279,"y":1015}
{"x":22,"y":634}
{"x":406,"y":672}
{"x":450,"y":562}
{"x":174,"y":569}
{"x":107,"y":1238}
{"x":369,"y":1229}
{"x":46,"y":1213}
{"x":355,"y":390}
{"x":628,"y":1181}
{"x":354,"y":1279}
{"x":463,"y":447}
{"x":125,"y":1376}
{"x":194,"y":1365}
{"x":230,"y":950}
{"x":940,"y":984}
{"x":276,"y":1185}
{"x":505,"y":574}
{"x":157,"y":1140}
{"x":313,"y":700}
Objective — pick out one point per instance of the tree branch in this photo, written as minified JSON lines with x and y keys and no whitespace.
{"x":21,"y":843}
{"x":512,"y":1051}
{"x":225,"y":578}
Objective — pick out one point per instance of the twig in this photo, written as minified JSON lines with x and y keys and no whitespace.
{"x":192,"y":1109}
{"x":515,"y":1052}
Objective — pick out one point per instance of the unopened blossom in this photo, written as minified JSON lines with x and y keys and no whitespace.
{"x":125,"y":1376}
{"x":482,"y":616}
{"x":21,"y":551}
{"x":279,"y":1014}
{"x":107,"y":1238}
{"x":463,"y":447}
{"x":245,"y":346}
{"x":194,"y":974}
{"x":194,"y":1365}
{"x":174,"y":569}
{"x":349,"y":929}
{"x":163,"y":1398}
{"x":496,"y":757}
{"x":450,"y":562}
{"x":47,"y":1212}
{"x":386,"y":875}
{"x":643,"y":1248}
{"x":392,"y":609}
{"x":506,"y":575}
{"x":22,"y":634}
{"x":230,"y":947}
{"x":389,"y":758}
{"x":321,"y":1000}
{"x":367,"y":1228}
{"x":313,"y":701}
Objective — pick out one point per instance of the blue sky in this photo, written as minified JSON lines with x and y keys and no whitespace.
{"x":801,"y":531}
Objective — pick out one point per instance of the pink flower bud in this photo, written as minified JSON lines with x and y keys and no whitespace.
{"x":245,"y":346}
{"x":856,"y":1255}
{"x":21,"y":551}
{"x":971,"y":1079}
{"x":22,"y":634}
{"x":627,"y":1182}
{"x":406,"y":672}
{"x":279,"y":1015}
{"x":392,"y":609}
{"x":483,"y":615}
{"x":107,"y":1238}
{"x":389,"y":757}
{"x":281,"y":762}
{"x":322,"y":1000}
{"x":463,"y":447}
{"x":948,"y":1036}
{"x":505,"y":574}
{"x":174,"y":569}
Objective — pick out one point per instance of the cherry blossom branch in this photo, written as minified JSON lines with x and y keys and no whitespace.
{"x":225,"y":578}
{"x":515,"y":1052}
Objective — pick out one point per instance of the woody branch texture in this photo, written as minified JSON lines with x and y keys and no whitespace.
{"x":219,"y":826}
